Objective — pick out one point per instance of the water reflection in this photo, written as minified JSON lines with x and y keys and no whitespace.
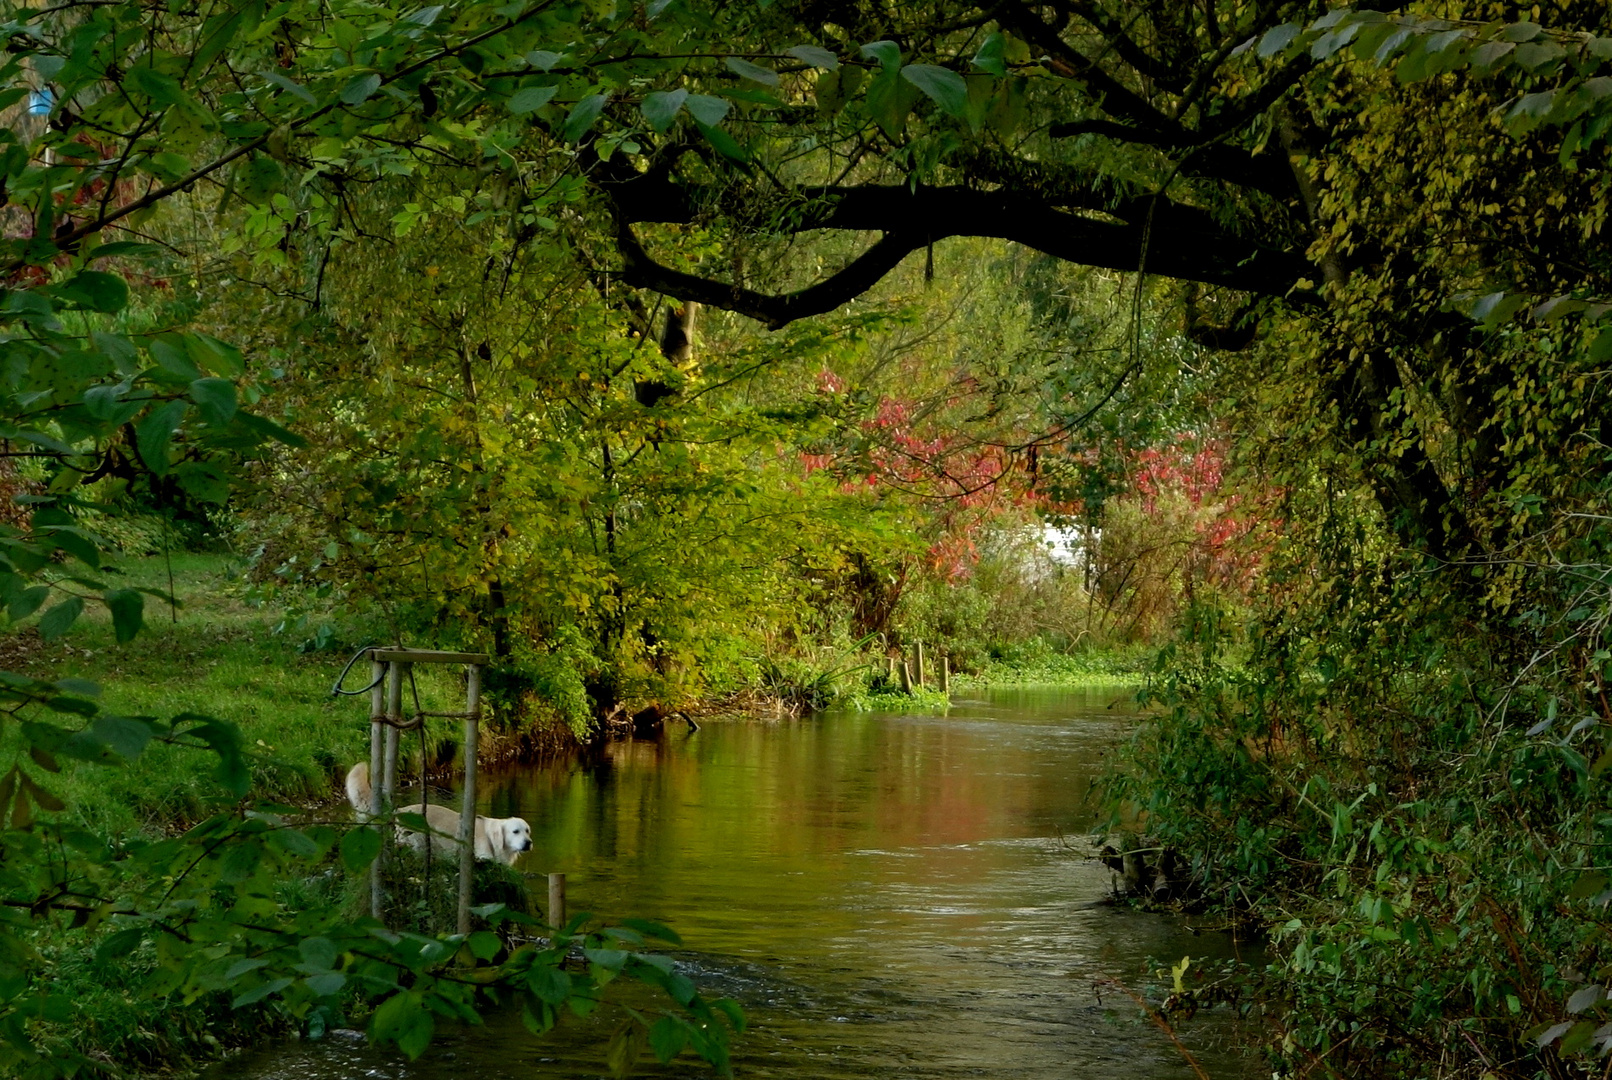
{"x":883,"y":893}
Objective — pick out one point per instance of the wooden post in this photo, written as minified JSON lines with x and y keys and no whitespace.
{"x":890,"y":668}
{"x":557,"y":901}
{"x":394,"y":713}
{"x":906,"y":676}
{"x":467,"y":813}
{"x":922,"y":674}
{"x":377,"y":749}
{"x":946,"y":675}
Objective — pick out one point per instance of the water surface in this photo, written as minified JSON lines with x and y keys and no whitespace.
{"x":883,"y":893}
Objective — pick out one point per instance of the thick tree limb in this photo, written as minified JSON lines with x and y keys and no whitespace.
{"x":1168,"y":239}
{"x":641,"y":271}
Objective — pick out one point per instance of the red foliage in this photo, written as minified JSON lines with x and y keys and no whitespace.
{"x":1233,"y":534}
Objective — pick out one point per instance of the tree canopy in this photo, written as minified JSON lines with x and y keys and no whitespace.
{"x":459,"y":250}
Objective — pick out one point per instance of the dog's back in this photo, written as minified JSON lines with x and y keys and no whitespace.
{"x":358,"y":789}
{"x":514,"y":835}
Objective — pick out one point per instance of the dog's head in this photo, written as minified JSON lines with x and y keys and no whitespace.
{"x":516,"y":836}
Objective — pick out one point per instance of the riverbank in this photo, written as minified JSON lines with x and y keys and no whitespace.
{"x":215,"y":655}
{"x":1033,"y":666}
{"x":219,"y":655}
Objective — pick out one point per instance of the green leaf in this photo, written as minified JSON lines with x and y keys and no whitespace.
{"x":661,"y":107}
{"x":550,"y":984}
{"x":295,"y":842}
{"x":706,"y":109}
{"x":725,"y":144}
{"x":95,"y":290}
{"x":609,"y":959}
{"x":128,"y":612}
{"x":106,"y":403}
{"x":1601,"y":348}
{"x":318,"y":952}
{"x":216,"y":397}
{"x":529,"y":99}
{"x":119,"y":944}
{"x":360,"y":89}
{"x":73,"y":542}
{"x":401,"y":1019}
{"x":887,"y":53}
{"x":59,"y":619}
{"x":261,"y":991}
{"x":624,"y":1049}
{"x":1589,"y":884}
{"x":359,"y":848}
{"x":153,"y":435}
{"x":681,"y":988}
{"x":484,"y":944}
{"x":268,"y":429}
{"x":243,"y":966}
{"x":667,"y":1038}
{"x":1585,"y":996}
{"x":943,"y":86}
{"x":161,"y":88}
{"x":326,"y":984}
{"x":126,"y":736}
{"x":172,"y":356}
{"x":26,"y":602}
{"x":83,"y":687}
{"x":652,"y":929}
{"x":294,"y":88}
{"x":815,"y":55}
{"x":732,"y":1010}
{"x":992,"y":56}
{"x":1487,"y":57}
{"x":1276,"y":39}
{"x":582,"y":117}
{"x":889,"y":100}
{"x":754,"y":72}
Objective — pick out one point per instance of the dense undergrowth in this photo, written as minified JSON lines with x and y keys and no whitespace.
{"x":1407,"y":791}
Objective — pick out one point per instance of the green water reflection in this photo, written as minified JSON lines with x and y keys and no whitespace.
{"x":883,"y":893}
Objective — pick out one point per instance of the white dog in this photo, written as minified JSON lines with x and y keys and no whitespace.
{"x":496,"y":838}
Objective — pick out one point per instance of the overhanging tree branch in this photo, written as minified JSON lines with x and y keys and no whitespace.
{"x":1180,"y":241}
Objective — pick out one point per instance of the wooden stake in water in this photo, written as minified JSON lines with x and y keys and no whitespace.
{"x":946,"y":675}
{"x":906,"y":676}
{"x":377,"y":750}
{"x":923,"y":679}
{"x":394,"y":714}
{"x":557,"y":901}
{"x":467,"y":811}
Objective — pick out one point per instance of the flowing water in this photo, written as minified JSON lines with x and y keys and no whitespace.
{"x":883,"y":894}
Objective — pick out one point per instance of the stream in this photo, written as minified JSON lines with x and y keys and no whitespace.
{"x":882,"y":893}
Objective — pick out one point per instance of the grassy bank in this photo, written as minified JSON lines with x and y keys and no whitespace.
{"x":216,"y":655}
{"x":1037,"y":664}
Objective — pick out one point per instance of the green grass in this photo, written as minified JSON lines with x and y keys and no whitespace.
{"x":1036,"y":664}
{"x":219,"y":656}
{"x":885,"y":699}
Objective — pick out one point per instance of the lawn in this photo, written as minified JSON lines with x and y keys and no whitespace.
{"x":215,"y":654}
